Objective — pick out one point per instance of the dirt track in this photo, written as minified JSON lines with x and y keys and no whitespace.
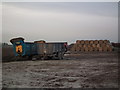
{"x":83,"y":70}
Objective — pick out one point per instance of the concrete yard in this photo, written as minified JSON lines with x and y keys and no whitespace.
{"x":84,"y":70}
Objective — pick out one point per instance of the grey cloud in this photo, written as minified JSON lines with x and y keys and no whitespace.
{"x":60,"y":21}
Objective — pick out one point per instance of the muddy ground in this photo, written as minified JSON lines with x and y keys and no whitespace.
{"x":84,"y":70}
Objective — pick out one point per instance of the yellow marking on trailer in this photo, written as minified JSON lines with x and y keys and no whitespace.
{"x":19,"y":49}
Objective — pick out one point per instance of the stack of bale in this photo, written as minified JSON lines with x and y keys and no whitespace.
{"x":92,"y":45}
{"x":41,"y":41}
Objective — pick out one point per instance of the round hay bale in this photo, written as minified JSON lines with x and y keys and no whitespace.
{"x":80,"y":45}
{"x":86,"y":49}
{"x":84,"y":45}
{"x":96,"y":42}
{"x":82,"y":41}
{"x":110,"y":49}
{"x":91,"y":41}
{"x":90,"y":48}
{"x":78,"y":42}
{"x":73,"y":48}
{"x":106,"y":41}
{"x":88,"y":45}
{"x":77,"y":49}
{"x":82,"y":49}
{"x":77,"y":45}
{"x":40,"y":41}
{"x":105,"y":49}
{"x":86,"y":42}
{"x":101,"y":41}
{"x":95,"y":49}
{"x":98,"y":45}
{"x":103,"y":45}
{"x":108,"y":45}
{"x":94,"y":45}
{"x":100,"y":49}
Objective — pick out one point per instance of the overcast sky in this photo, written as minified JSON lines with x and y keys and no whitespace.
{"x":67,"y":21}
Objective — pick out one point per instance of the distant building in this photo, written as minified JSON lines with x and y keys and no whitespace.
{"x":4,"y":45}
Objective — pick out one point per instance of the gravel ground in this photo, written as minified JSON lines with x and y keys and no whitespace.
{"x":84,"y":70}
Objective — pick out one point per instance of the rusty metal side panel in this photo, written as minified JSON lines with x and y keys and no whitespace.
{"x":40,"y":48}
{"x":49,"y":48}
